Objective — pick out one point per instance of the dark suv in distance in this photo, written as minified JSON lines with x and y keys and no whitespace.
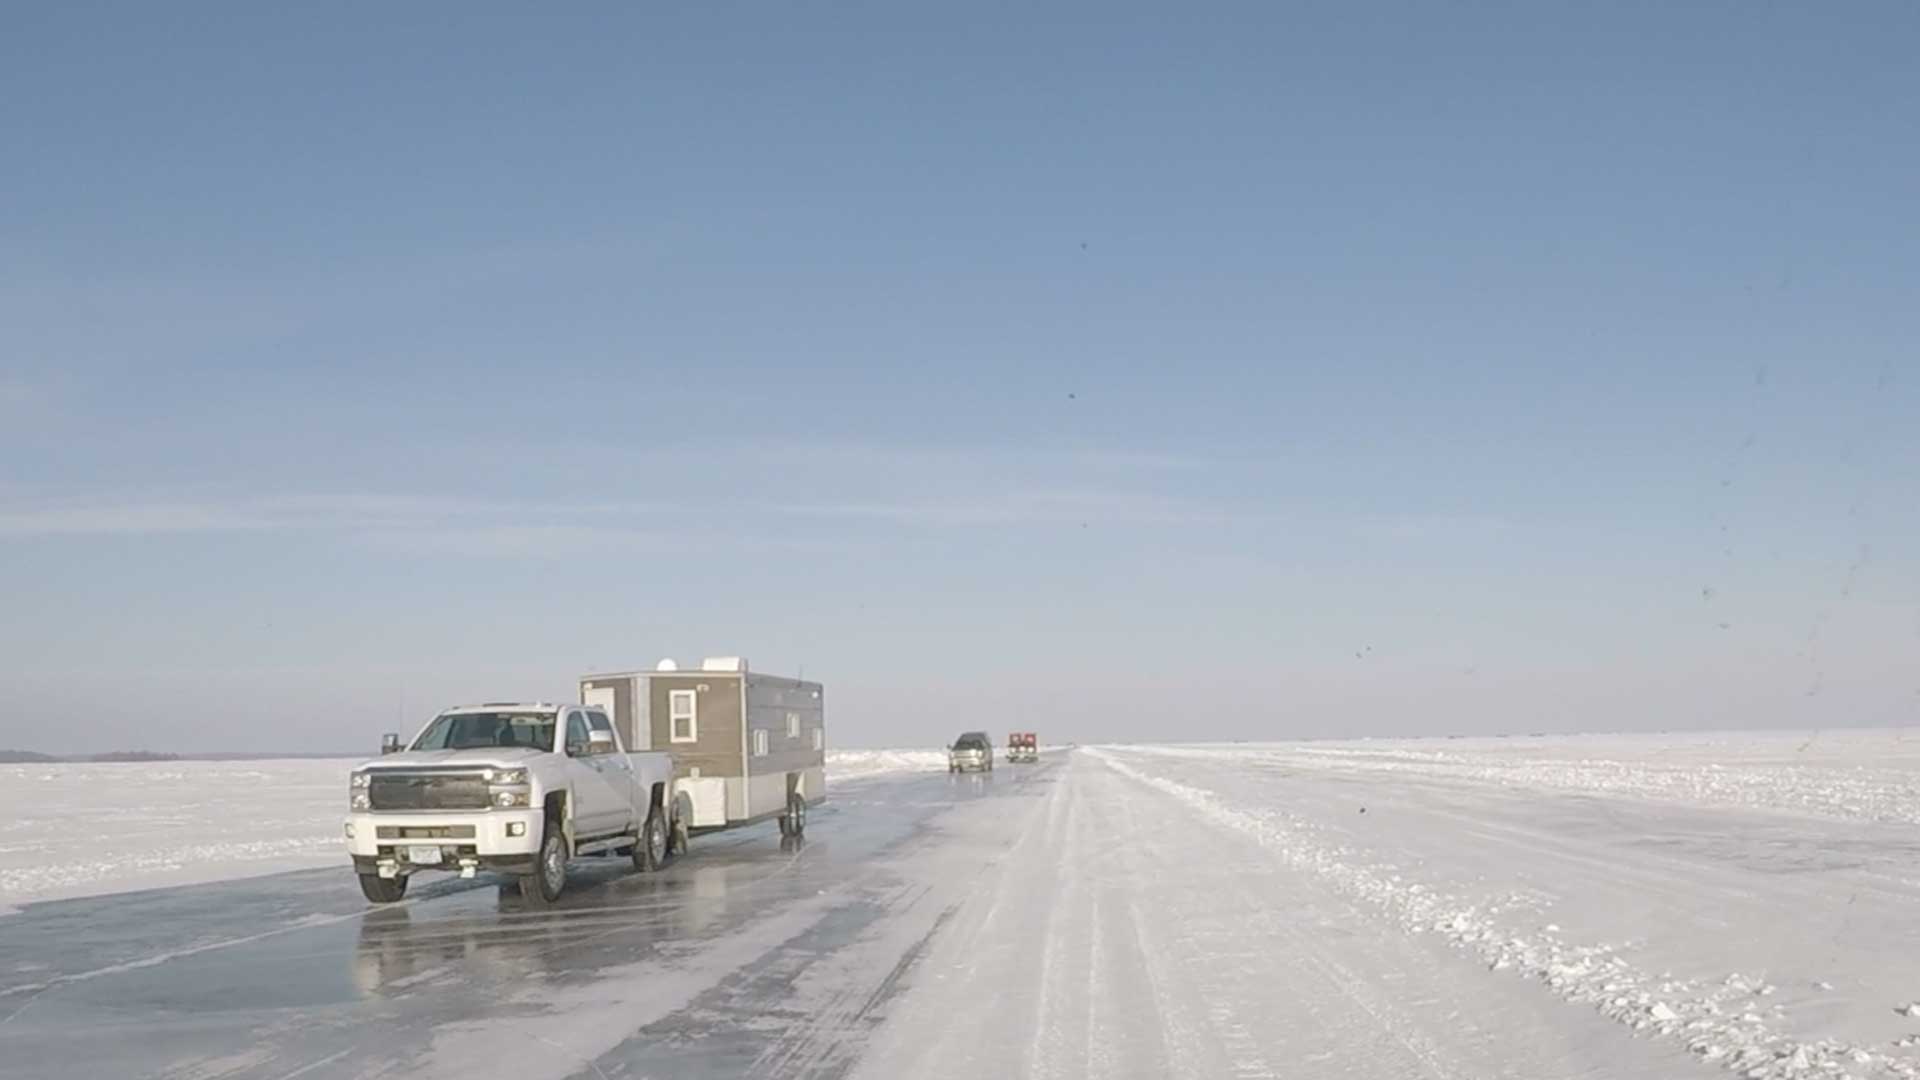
{"x":972,"y":751}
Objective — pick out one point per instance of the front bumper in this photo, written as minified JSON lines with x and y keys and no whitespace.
{"x":964,"y":762}
{"x":484,"y":835}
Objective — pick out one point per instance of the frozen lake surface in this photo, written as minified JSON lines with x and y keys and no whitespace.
{"x":1529,"y":908}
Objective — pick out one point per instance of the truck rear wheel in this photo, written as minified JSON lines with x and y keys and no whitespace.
{"x":794,"y":821}
{"x":678,"y":835}
{"x":382,"y":890}
{"x":549,"y":876}
{"x":651,"y":852}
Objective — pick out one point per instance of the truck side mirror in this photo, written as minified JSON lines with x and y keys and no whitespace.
{"x":599,"y":742}
{"x":390,"y":743}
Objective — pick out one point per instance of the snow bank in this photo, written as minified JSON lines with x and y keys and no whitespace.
{"x":845,"y":765}
{"x":1729,"y":1022}
{"x":84,"y":829}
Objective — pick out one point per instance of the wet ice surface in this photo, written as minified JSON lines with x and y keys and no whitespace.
{"x":1499,"y":908}
{"x":725,"y":963}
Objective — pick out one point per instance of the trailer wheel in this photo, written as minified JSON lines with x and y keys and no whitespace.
{"x":794,"y":821}
{"x":382,"y":890}
{"x":549,"y":876}
{"x":651,"y":852}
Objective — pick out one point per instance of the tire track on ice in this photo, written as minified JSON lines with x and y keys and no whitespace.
{"x":1242,"y":1056}
{"x":1245,"y":918}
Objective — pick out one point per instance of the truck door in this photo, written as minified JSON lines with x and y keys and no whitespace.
{"x":616,"y":768}
{"x":596,"y":810}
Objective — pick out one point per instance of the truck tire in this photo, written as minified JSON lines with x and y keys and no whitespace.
{"x":549,"y":877}
{"x":651,"y":852}
{"x":794,"y":821}
{"x":679,"y":836}
{"x":382,"y":890}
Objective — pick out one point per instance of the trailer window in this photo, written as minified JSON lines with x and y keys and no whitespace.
{"x":683,"y":716}
{"x":759,"y":742}
{"x":819,"y":739}
{"x":793,"y":725}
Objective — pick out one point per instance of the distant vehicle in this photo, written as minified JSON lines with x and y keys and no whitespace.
{"x":972,"y":751}
{"x":513,"y":788}
{"x":747,"y":747}
{"x":1023,"y":746}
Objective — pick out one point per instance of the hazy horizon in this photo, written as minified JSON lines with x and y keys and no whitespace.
{"x":1111,"y":372}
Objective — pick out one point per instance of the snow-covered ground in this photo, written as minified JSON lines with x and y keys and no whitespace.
{"x":85,"y":829}
{"x":1604,"y":906}
{"x":1600,"y":908}
{"x":844,"y":765}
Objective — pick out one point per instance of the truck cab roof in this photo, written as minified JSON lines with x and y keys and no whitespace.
{"x":517,"y":706}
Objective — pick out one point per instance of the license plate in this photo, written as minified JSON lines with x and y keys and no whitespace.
{"x":423,"y":853}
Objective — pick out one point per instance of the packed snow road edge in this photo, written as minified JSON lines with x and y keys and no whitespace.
{"x":1724,"y":1023}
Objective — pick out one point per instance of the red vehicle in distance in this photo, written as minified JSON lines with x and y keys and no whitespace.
{"x":1023,"y":746}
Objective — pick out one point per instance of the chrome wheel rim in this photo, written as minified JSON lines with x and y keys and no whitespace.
{"x":656,"y":840}
{"x":554,"y":866}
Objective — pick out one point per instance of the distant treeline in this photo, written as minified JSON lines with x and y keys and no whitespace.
{"x":16,"y":757}
{"x":20,"y":757}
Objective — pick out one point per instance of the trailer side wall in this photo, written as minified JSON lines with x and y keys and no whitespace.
{"x":791,"y":712}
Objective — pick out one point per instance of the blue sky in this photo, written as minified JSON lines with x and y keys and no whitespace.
{"x":1111,"y":371}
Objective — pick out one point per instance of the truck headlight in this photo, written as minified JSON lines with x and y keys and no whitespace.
{"x":509,"y":777}
{"x":359,"y":801}
{"x":360,"y":780}
{"x":509,"y":799}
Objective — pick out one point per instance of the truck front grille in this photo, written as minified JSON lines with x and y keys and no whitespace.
{"x":423,"y":832}
{"x":427,"y":791}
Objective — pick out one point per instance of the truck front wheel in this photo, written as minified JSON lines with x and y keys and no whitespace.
{"x":382,"y":890}
{"x":549,"y":876}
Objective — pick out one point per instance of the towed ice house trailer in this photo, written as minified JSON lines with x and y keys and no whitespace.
{"x":747,"y":747}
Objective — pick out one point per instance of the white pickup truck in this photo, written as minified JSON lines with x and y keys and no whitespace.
{"x":511,"y":788}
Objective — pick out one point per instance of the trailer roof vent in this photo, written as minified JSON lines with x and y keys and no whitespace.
{"x":723,"y":663}
{"x":666,"y":665}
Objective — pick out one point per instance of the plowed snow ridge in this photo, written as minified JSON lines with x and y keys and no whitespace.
{"x":1725,"y":1023}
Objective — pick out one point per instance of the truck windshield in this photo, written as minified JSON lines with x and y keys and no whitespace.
{"x":463,"y":731}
